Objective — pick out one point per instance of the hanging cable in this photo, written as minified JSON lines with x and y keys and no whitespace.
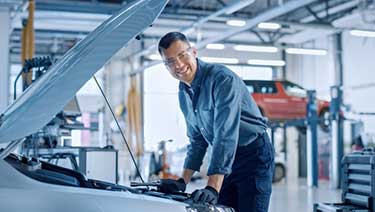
{"x":118,"y":125}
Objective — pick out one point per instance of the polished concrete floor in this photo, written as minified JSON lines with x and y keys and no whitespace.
{"x":294,"y":196}
{"x":297,"y":196}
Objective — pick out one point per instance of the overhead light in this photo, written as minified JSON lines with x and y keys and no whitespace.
{"x":306,"y":51}
{"x":155,"y":57}
{"x":363,"y":33}
{"x":223,"y":60}
{"x":269,"y":25}
{"x":237,"y":23}
{"x":217,"y":46}
{"x":266,"y":62}
{"x":192,"y":43}
{"x":248,"y":48}
{"x":238,"y":6}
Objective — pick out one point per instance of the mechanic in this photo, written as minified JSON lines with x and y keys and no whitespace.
{"x":219,"y":111}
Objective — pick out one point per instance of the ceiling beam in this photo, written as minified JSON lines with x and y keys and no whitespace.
{"x":265,"y":16}
{"x":230,"y":8}
{"x":331,"y":11}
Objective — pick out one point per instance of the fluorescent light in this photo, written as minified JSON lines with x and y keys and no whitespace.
{"x":217,"y":46}
{"x":154,"y":57}
{"x":306,"y":51}
{"x":220,"y":60}
{"x":363,"y":33}
{"x":269,"y":25}
{"x":266,"y":62}
{"x":248,"y":48}
{"x":237,"y":23}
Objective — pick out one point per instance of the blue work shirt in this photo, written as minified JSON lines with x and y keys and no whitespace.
{"x":219,"y":111}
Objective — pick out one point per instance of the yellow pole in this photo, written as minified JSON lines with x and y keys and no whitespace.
{"x":27,"y":51}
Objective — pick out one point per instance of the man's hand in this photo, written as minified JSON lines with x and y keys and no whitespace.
{"x":206,"y":195}
{"x":170,"y":186}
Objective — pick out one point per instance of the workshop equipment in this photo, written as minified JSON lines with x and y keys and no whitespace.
{"x":358,"y":171}
{"x":338,"y":207}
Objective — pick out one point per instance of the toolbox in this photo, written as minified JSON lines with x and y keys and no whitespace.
{"x":338,"y":207}
{"x":358,"y":179}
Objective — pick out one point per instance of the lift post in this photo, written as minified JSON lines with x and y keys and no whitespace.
{"x":312,"y":139}
{"x":337,"y":135}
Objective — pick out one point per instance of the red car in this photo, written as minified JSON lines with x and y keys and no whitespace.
{"x":283,"y":100}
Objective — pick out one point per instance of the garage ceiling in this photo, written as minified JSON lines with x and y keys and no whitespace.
{"x":59,"y":24}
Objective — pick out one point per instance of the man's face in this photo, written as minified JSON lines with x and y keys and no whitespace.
{"x":180,"y":60}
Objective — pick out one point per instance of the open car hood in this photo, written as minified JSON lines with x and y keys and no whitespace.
{"x":50,"y":93}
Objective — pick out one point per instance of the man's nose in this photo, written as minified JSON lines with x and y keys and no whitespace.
{"x":178,"y":63}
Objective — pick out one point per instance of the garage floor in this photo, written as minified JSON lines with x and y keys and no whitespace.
{"x":297,"y":196}
{"x":293,"y":196}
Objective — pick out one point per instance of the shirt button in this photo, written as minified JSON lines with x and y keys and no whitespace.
{"x":196,"y":111}
{"x":202,"y":128}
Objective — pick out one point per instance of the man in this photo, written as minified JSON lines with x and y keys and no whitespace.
{"x":219,"y":111}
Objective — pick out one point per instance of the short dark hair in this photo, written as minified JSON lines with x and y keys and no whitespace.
{"x":169,"y":38}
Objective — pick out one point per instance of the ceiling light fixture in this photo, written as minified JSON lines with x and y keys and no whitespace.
{"x":236,"y":23}
{"x":266,"y":62}
{"x":306,"y":51}
{"x":155,"y":57}
{"x":362,"y":33}
{"x":217,"y":46}
{"x":220,"y":60}
{"x":269,"y":25}
{"x":249,"y":48}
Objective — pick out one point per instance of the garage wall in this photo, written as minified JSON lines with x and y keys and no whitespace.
{"x":318,"y":72}
{"x":313,"y":72}
{"x":359,"y":76}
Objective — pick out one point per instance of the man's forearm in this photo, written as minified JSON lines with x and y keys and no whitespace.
{"x":215,"y":181}
{"x":187,"y":174}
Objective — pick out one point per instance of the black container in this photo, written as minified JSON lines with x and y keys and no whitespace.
{"x":358,"y":183}
{"x":338,"y":207}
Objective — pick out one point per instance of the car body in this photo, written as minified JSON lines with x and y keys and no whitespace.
{"x":28,"y":184}
{"x":283,"y":100}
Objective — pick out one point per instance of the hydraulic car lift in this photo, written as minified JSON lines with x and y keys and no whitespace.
{"x":310,"y":124}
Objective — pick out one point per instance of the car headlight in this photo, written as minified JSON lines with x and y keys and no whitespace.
{"x":209,"y":208}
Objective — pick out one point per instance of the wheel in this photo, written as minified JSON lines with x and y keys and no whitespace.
{"x":302,"y":129}
{"x":324,"y":122}
{"x":279,"y":172}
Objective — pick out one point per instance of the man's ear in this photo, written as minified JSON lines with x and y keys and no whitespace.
{"x":194,"y":51}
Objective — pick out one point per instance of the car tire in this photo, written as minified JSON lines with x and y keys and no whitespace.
{"x":324,"y":121}
{"x":302,"y":129}
{"x":279,"y":172}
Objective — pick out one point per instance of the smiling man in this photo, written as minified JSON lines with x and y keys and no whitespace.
{"x":219,"y":111}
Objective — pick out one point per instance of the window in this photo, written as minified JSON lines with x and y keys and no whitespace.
{"x":293,"y":89}
{"x":251,"y":86}
{"x":267,"y":87}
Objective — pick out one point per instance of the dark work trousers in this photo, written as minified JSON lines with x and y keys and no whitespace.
{"x":248,"y":188}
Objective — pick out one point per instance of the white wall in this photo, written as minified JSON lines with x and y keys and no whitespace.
{"x":359,"y":76}
{"x":313,"y":72}
{"x":318,"y":72}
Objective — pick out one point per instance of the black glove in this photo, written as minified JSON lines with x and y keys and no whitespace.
{"x":208,"y":194}
{"x":170,"y":186}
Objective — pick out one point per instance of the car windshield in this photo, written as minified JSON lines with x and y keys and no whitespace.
{"x":293,"y":89}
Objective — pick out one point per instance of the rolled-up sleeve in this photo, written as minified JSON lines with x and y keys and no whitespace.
{"x":226,"y":94}
{"x":195,"y":151}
